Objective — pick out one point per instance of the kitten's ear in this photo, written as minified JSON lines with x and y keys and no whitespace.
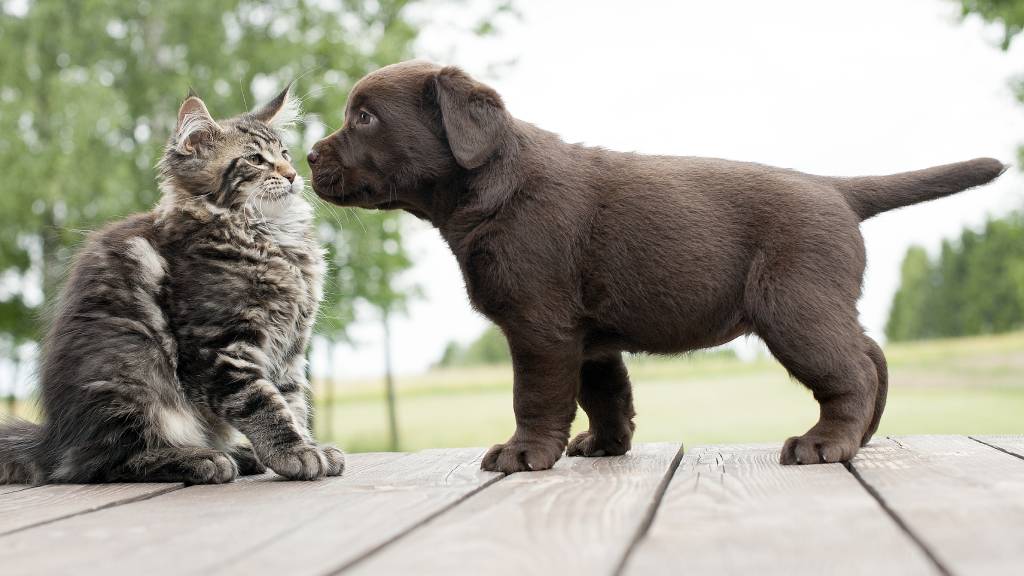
{"x":195,"y":125}
{"x":283,"y":110}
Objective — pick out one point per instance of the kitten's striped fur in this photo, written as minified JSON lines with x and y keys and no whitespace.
{"x":182,"y":327}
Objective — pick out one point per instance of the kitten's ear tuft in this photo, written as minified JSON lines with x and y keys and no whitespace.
{"x":283,"y":110}
{"x":192,"y":93}
{"x":195,"y":126}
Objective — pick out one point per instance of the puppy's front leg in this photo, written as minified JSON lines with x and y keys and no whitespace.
{"x":607,"y":397}
{"x":546,"y":382}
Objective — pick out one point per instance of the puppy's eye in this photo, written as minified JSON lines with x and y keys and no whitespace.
{"x":364,"y":117}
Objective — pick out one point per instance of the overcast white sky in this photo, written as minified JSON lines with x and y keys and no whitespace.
{"x":840,"y":87}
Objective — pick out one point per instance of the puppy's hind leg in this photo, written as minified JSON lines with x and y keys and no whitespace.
{"x":874,"y":351}
{"x":606,"y":396}
{"x":810,"y":325}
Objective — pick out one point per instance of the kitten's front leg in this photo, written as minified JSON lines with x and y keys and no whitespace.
{"x":241,"y":393}
{"x":295,"y":388}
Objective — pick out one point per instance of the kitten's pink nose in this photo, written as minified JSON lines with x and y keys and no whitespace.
{"x":288,"y":172}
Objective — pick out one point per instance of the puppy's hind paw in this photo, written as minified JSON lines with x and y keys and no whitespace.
{"x":520,"y":456}
{"x":817,"y":449}
{"x":589,"y":444}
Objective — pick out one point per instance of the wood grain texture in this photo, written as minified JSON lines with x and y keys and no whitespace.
{"x":378,"y":507}
{"x":577,"y":518}
{"x":203,"y":529}
{"x":25,"y":508}
{"x":736,"y":510}
{"x":1013,"y":444}
{"x":962,"y":499}
{"x":7,"y":488}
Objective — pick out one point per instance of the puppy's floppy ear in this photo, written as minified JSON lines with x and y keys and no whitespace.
{"x":194,"y":125}
{"x":473,"y":117}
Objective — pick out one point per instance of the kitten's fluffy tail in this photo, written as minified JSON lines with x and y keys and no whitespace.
{"x":19,"y":441}
{"x":871,"y":195}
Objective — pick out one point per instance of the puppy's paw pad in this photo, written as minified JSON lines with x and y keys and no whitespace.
{"x":302,"y":462}
{"x":517,"y":456}
{"x":589,"y":444}
{"x":815,"y":449}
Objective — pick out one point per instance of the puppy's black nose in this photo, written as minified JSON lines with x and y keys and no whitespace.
{"x":312,"y":157}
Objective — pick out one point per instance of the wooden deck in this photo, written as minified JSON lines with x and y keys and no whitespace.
{"x":906,"y":505}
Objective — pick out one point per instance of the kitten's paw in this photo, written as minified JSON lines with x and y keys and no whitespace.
{"x":248,"y":463}
{"x":335,"y":459}
{"x":521,"y":455}
{"x":589,"y":444}
{"x":302,"y":462}
{"x":210,"y":467}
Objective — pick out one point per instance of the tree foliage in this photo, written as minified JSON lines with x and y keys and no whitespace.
{"x":88,"y":96}
{"x":491,"y":347}
{"x":975,"y":286}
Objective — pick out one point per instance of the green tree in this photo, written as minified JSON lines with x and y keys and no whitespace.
{"x":490,"y":347}
{"x":976,"y":286}
{"x":910,"y":304}
{"x":89,"y":91}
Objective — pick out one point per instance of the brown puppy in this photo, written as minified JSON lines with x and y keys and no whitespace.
{"x":579,"y":254}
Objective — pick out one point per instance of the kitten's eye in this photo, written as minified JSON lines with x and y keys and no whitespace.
{"x":256,"y":159}
{"x":364,"y":117}
{"x":286,"y":155}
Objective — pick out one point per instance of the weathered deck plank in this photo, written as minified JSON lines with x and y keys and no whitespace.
{"x":578,"y":518}
{"x":7,"y":488}
{"x":375,"y":509}
{"x":22,"y":509}
{"x":202,"y":529}
{"x":962,"y":499}
{"x":914,"y":505}
{"x":736,"y":510}
{"x":1012,"y":444}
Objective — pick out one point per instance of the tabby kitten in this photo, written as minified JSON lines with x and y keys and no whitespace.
{"x":182,"y":327}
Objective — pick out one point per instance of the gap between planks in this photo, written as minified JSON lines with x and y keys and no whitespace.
{"x":89,"y":509}
{"x":928,"y":553}
{"x":958,"y":496}
{"x":652,"y":510}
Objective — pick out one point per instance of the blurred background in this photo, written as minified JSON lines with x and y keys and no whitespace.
{"x":89,"y":90}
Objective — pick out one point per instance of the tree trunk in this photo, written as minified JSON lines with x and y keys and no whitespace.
{"x":327,"y":417}
{"x":12,"y":398}
{"x":389,"y":383}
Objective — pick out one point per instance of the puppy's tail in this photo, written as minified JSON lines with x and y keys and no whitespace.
{"x":872,"y":195}
{"x":19,"y":442}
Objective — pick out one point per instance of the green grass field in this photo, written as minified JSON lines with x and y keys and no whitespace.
{"x":961,"y":386}
{"x":965,"y":386}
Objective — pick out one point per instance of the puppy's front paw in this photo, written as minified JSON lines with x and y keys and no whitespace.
{"x":590,"y":444}
{"x":521,"y":455}
{"x":302,"y":462}
{"x":818,"y":449}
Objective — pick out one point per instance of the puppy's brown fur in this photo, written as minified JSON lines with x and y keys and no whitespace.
{"x":580,"y":253}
